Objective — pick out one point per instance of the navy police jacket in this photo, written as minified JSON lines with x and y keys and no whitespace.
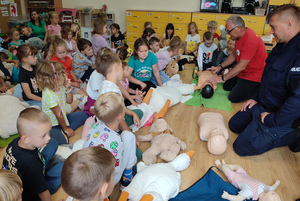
{"x":279,"y":91}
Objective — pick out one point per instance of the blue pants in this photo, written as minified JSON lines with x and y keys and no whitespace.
{"x":164,"y":78}
{"x":256,"y":138}
{"x":32,"y":102}
{"x":52,"y":175}
{"x":76,"y":120}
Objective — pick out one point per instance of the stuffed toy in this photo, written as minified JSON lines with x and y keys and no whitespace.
{"x":250,"y":188}
{"x":163,"y":143}
{"x":223,"y":38}
{"x":159,"y":182}
{"x":170,"y":93}
{"x":213,"y":130}
{"x":10,"y":108}
{"x":9,"y":67}
{"x":172,"y":68}
{"x":39,"y":45}
{"x":64,"y":151}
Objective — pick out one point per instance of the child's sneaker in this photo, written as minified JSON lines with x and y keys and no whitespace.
{"x":195,"y":71}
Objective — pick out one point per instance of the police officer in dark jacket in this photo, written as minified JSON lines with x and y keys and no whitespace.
{"x":269,"y":119}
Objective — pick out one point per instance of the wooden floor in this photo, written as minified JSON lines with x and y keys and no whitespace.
{"x":279,"y":163}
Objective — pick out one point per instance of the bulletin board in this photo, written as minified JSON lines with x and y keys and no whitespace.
{"x":5,"y":9}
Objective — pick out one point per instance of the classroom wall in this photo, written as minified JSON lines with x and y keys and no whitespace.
{"x":119,"y":7}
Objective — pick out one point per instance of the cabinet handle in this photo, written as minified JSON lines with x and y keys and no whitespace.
{"x":134,"y":37}
{"x":157,"y":17}
{"x":202,"y":19}
{"x":251,"y":21}
{"x":136,"y":27}
{"x":201,"y":29}
{"x":135,"y":16}
{"x":179,"y":18}
{"x":156,"y":27}
{"x":179,"y":29}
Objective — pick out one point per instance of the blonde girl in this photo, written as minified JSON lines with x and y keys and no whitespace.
{"x":100,"y":28}
{"x":53,"y":27}
{"x":164,"y":58}
{"x":192,"y":40}
{"x":14,"y":34}
{"x":143,"y":65}
{"x":67,"y":36}
{"x":134,"y":94}
{"x":10,"y":186}
{"x":58,"y":52}
{"x":27,"y":76}
{"x":56,"y":87}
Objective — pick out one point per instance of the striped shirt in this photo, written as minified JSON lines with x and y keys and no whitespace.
{"x":250,"y":187}
{"x":50,"y":100}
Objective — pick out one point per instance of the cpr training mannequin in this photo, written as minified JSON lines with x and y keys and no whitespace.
{"x":250,"y":188}
{"x":157,"y":182}
{"x":163,"y":143}
{"x":213,"y":130}
{"x":207,"y":88}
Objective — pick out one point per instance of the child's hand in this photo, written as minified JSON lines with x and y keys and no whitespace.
{"x":136,"y":119}
{"x":69,"y":131}
{"x":75,"y":84}
{"x":67,"y":83}
{"x":7,"y":78}
{"x":140,"y":93}
{"x":137,"y":142}
{"x":79,"y":81}
{"x":3,"y":89}
{"x":143,"y":85}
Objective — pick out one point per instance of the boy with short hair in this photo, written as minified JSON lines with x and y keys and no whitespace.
{"x":212,"y":27}
{"x":24,"y":29}
{"x":23,"y":156}
{"x":110,"y":110}
{"x":207,"y":54}
{"x":154,"y":44}
{"x":88,"y":174}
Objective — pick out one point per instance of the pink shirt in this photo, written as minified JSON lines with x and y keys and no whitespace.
{"x":248,"y":185}
{"x":55,"y":30}
{"x":163,"y":59}
{"x":125,"y":84}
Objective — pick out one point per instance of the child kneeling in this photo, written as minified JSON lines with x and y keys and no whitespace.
{"x":109,"y":108}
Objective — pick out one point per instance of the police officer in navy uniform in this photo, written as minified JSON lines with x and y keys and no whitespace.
{"x":269,"y":119}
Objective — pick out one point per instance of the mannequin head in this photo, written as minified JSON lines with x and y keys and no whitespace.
{"x":216,"y":143}
{"x":207,"y":91}
{"x":269,"y":196}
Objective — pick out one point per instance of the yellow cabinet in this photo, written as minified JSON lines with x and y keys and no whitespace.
{"x":181,"y":30}
{"x":181,"y":18}
{"x":159,"y":27}
{"x":221,"y":19}
{"x":135,"y":26}
{"x":158,"y":17}
{"x":256,"y":23}
{"x":136,"y":16}
{"x":280,"y":2}
{"x":202,"y":18}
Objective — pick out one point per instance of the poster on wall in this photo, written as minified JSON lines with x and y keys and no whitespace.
{"x":13,"y":10}
{"x":3,"y":2}
{"x":12,"y":1}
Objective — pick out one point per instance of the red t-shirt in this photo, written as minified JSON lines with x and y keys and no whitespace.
{"x":67,"y":64}
{"x":216,"y":36}
{"x":251,"y":47}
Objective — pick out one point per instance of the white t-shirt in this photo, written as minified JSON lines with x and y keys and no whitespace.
{"x":205,"y":54}
{"x":94,"y":84}
{"x":108,"y":86}
{"x":192,"y":42}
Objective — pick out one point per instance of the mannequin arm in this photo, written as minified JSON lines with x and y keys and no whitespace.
{"x":238,"y":197}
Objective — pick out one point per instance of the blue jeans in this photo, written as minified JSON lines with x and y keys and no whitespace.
{"x":18,"y":91}
{"x":76,"y":120}
{"x":32,"y":102}
{"x":256,"y":138}
{"x":164,"y":78}
{"x":52,"y":174}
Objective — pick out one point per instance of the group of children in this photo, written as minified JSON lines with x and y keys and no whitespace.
{"x":76,"y":65}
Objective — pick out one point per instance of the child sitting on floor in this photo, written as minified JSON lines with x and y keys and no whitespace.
{"x":53,"y":81}
{"x":88,"y":174}
{"x":29,"y":154}
{"x":225,"y":53}
{"x":24,"y":29}
{"x":84,"y":60}
{"x":109,"y":109}
{"x":10,"y":186}
{"x":71,"y":45}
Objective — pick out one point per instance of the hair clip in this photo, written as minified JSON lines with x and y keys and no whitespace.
{"x":103,"y":51}
{"x":15,"y":52}
{"x":135,"y":47}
